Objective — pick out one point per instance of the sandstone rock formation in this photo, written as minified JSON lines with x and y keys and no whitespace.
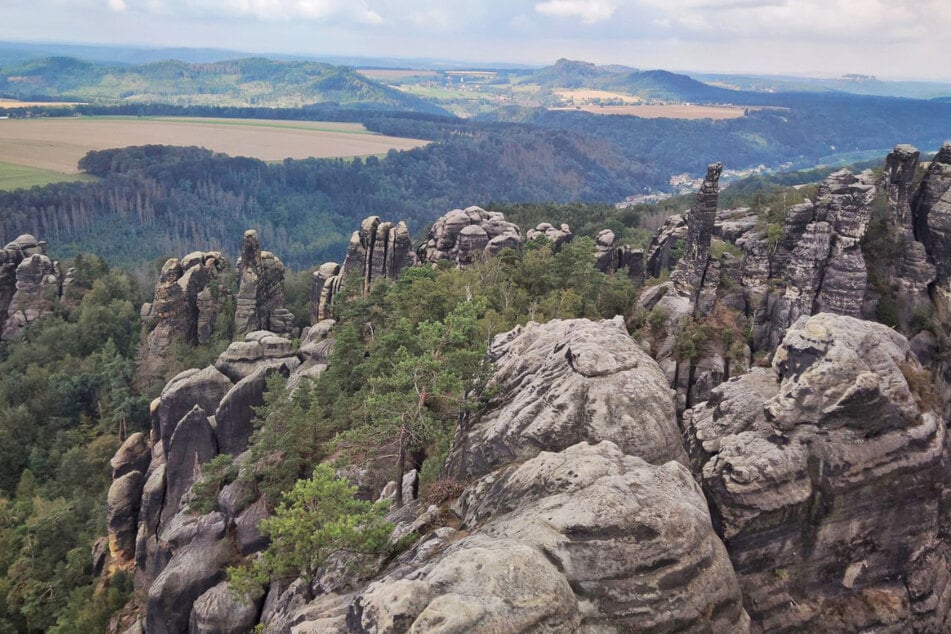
{"x":566,"y":530}
{"x":463,"y":234}
{"x":761,"y":278}
{"x":564,"y":382}
{"x":30,"y":283}
{"x":557,"y":235}
{"x":932,"y":221}
{"x":378,"y":250}
{"x":814,"y":470}
{"x":188,"y":297}
{"x":612,"y":258}
{"x":260,"y":301}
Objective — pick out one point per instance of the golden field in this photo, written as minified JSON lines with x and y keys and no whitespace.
{"x":58,"y":143}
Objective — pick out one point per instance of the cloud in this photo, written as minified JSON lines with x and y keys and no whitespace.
{"x":117,"y":5}
{"x":590,"y":11}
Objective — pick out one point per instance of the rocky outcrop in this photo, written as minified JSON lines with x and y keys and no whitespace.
{"x":564,"y":528}
{"x":378,"y":250}
{"x":812,"y":469}
{"x":558,"y":236}
{"x":189,"y":295}
{"x":932,"y":222}
{"x":564,"y":382}
{"x":664,"y":244}
{"x":179,"y":556}
{"x":859,"y":248}
{"x":462,"y":235}
{"x":30,"y":284}
{"x":611,"y":258}
{"x":260,"y":301}
{"x":700,"y":223}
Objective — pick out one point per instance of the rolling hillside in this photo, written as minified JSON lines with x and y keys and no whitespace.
{"x":244,"y":82}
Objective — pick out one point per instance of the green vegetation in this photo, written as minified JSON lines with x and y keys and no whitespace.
{"x":317,"y":518}
{"x":243,"y":82}
{"x":20,"y":177}
{"x":66,"y":396}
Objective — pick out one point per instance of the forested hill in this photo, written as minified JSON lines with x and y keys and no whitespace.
{"x":242,"y":82}
{"x":155,"y":200}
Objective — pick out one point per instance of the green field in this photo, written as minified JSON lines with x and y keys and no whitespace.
{"x":19,"y":176}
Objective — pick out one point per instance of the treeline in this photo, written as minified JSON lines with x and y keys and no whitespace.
{"x":154,"y":201}
{"x":800,"y":130}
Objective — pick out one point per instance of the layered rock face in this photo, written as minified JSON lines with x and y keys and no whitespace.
{"x":932,"y":222}
{"x":178,"y":556}
{"x":188,"y":298}
{"x":462,"y":235}
{"x":815,"y":262}
{"x":564,"y":529}
{"x":827,"y":475}
{"x":260,"y":301}
{"x":30,"y":284}
{"x":378,"y":250}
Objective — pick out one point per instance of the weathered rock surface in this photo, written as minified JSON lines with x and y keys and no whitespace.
{"x":565,"y":529}
{"x":200,"y":552}
{"x":377,"y":250}
{"x":665,"y":241}
{"x":813,"y":470}
{"x":557,"y":235}
{"x":204,"y":388}
{"x":932,"y":220}
{"x":462,"y":235}
{"x":122,"y":509}
{"x":611,"y":257}
{"x":260,"y":301}
{"x":30,"y":283}
{"x":217,"y":612}
{"x":192,"y":444}
{"x":700,"y":223}
{"x":188,"y":298}
{"x":563,"y":382}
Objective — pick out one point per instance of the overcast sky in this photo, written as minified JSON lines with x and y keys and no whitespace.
{"x":887,"y":38}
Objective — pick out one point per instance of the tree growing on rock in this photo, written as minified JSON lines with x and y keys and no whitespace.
{"x":319,"y":517}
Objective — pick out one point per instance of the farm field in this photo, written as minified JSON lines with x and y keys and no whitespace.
{"x":17,"y":176}
{"x":58,"y":144}
{"x":669,"y":111}
{"x":8,"y":104}
{"x":584,"y":95}
{"x":395,"y":74}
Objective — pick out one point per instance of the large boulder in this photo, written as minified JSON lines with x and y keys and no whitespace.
{"x":813,"y":469}
{"x":204,"y":388}
{"x":586,"y":539}
{"x":564,"y":382}
{"x":217,"y":611}
{"x":200,"y":551}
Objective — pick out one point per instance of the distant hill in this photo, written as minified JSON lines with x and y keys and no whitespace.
{"x":854,"y":84}
{"x":646,"y":84}
{"x":242,"y":82}
{"x":566,"y":73}
{"x":667,"y":86}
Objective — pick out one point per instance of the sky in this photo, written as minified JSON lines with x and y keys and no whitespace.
{"x":893,"y":39}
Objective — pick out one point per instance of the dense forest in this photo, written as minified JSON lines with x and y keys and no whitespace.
{"x":150,"y":202}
